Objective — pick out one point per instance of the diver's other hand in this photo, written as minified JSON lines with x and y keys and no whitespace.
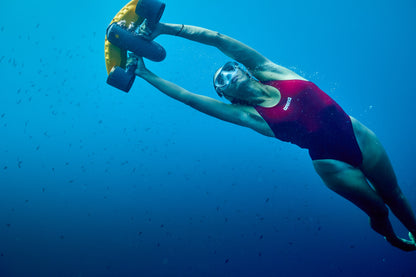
{"x":151,"y":33}
{"x":131,"y":59}
{"x":141,"y":69}
{"x":160,"y":29}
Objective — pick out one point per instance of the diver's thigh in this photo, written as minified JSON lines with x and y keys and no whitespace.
{"x":376,"y":164}
{"x":370,"y":146}
{"x":382,"y":176}
{"x":340,"y":176}
{"x":350,"y":183}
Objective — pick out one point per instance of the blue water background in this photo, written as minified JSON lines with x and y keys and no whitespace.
{"x":97,"y":182}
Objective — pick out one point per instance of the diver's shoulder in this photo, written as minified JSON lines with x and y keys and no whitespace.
{"x":271,"y":71}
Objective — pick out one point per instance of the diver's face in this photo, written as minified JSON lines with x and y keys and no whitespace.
{"x":224,"y":77}
{"x":238,"y":85}
{"x":230,"y":80}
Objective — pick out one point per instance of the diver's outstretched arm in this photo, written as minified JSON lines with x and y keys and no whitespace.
{"x":229,"y":46}
{"x":227,"y":112}
{"x":261,"y":67}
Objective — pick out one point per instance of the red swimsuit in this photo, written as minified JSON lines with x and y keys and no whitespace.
{"x":309,"y":118}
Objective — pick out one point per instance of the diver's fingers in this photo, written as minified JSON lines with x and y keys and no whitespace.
{"x":141,"y":67}
{"x":140,"y":61}
{"x":145,"y":31}
{"x":131,"y":59}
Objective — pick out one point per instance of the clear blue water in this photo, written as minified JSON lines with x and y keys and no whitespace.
{"x":97,"y":182}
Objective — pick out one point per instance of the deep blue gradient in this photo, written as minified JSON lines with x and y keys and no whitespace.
{"x":97,"y":182}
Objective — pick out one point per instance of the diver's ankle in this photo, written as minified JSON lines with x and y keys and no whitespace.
{"x":392,"y":239}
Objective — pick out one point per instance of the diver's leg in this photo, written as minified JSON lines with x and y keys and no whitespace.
{"x":382,"y":177}
{"x":351,"y":183}
{"x":379,"y":171}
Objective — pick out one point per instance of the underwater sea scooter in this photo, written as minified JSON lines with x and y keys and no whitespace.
{"x":122,"y":36}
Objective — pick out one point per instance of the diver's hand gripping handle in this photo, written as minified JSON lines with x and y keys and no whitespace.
{"x":122,"y":79}
{"x":129,"y":40}
{"x":136,"y":43}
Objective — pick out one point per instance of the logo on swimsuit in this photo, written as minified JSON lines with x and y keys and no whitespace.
{"x":289,"y":99}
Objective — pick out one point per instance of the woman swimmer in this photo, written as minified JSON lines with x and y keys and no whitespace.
{"x":277,"y":102}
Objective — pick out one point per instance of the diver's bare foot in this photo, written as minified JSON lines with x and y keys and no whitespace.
{"x":412,"y":237}
{"x":405,"y":245}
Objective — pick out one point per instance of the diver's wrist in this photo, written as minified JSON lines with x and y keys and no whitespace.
{"x":180,"y":30}
{"x":143,"y":73}
{"x":172,"y":29}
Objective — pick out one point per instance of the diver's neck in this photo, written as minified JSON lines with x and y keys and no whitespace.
{"x":264,"y":95}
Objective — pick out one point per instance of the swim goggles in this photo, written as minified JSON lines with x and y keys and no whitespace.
{"x":224,"y":76}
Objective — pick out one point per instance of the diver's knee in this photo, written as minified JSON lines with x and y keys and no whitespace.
{"x":393,"y":196}
{"x":379,"y":212}
{"x":379,"y":220}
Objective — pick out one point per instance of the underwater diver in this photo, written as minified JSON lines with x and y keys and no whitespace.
{"x":277,"y":102}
